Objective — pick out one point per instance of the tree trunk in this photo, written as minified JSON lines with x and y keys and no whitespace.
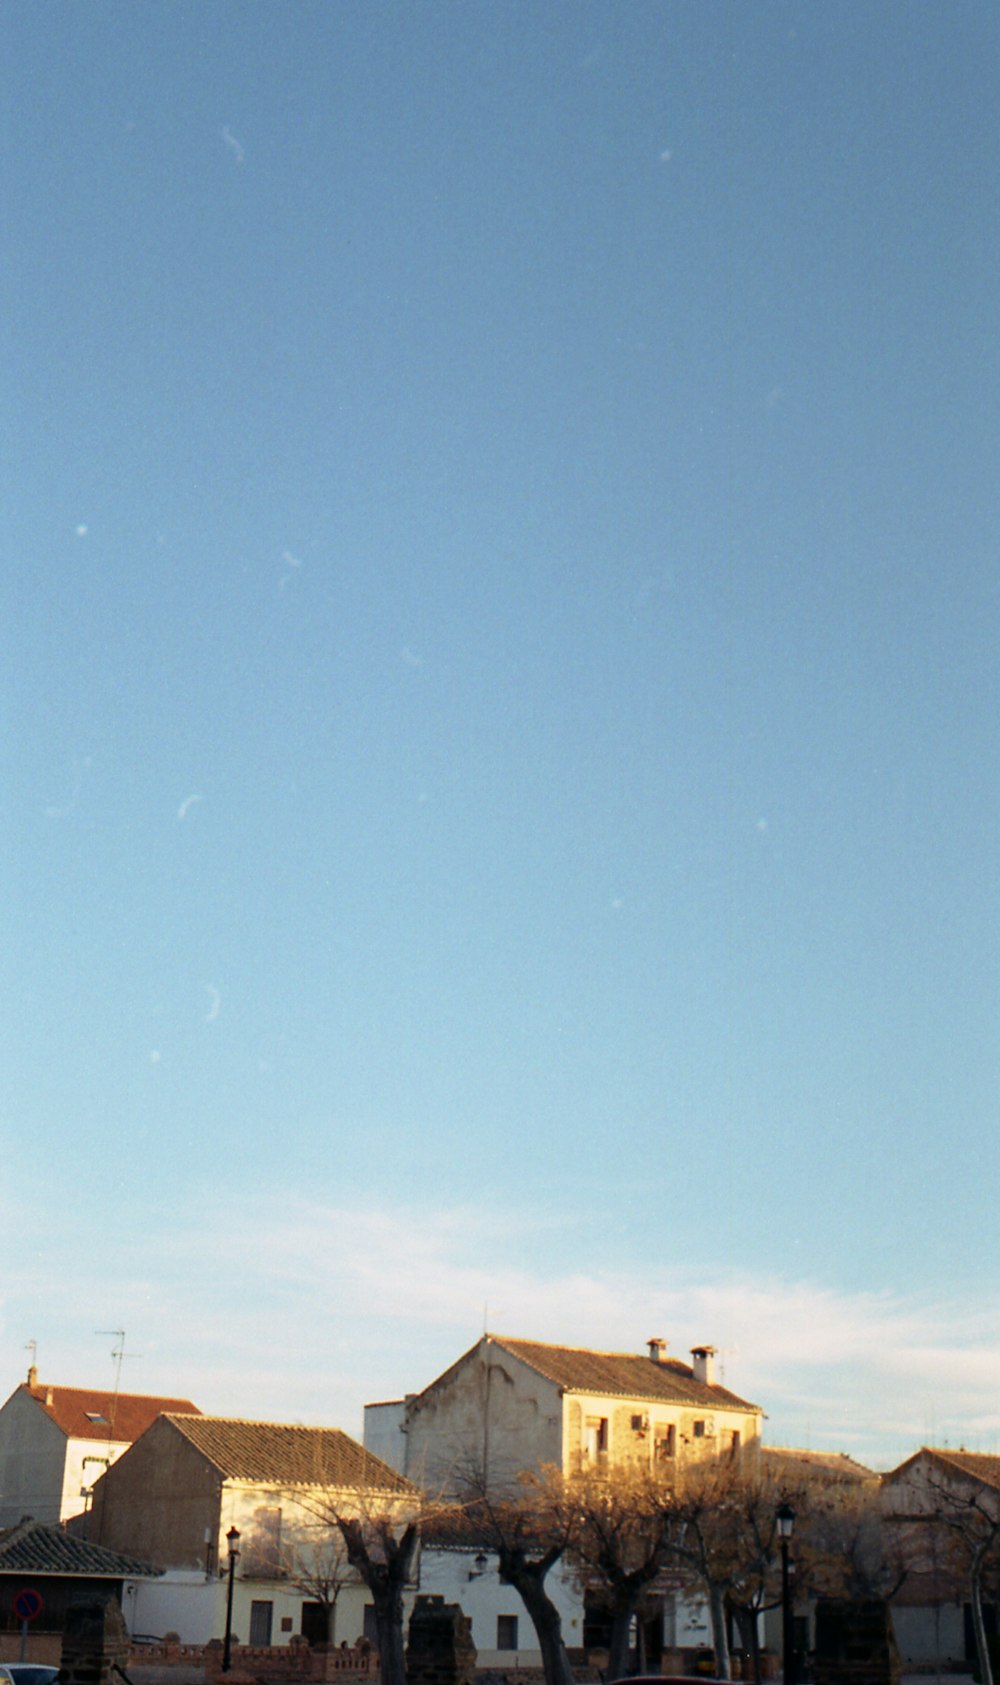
{"x":618,"y":1656}
{"x":388,"y":1604}
{"x":749,"y":1631}
{"x":385,"y":1580}
{"x":527,"y":1579}
{"x":720,"y":1639}
{"x":331,"y":1623}
{"x":978,"y":1624}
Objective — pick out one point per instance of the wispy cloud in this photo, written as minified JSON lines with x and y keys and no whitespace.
{"x":298,"y":1309}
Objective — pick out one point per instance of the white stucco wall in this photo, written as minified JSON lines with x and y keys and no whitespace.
{"x":490,"y":1412}
{"x":483,"y":1598}
{"x":32,"y":1462}
{"x":86,"y":1461}
{"x":195,"y":1608}
{"x":932,"y":1635}
{"x":384,"y":1434}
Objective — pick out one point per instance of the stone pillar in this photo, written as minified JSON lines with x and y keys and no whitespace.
{"x":440,"y":1650}
{"x":95,"y":1642}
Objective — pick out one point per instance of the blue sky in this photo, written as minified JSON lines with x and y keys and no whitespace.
{"x":500,"y":752}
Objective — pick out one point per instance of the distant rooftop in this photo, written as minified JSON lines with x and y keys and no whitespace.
{"x":283,"y":1454}
{"x":83,"y":1413}
{"x":33,"y":1548}
{"x":663,"y":1380}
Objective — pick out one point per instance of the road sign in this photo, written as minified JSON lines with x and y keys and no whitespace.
{"x":28,"y":1604}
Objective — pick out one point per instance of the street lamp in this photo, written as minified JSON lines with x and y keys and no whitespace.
{"x":232,"y":1540}
{"x":785,"y":1518}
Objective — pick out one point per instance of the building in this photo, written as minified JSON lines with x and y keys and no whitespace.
{"x":175,"y":1495}
{"x":509,"y":1405}
{"x":58,"y":1569}
{"x":932,"y":1612}
{"x":55,"y":1442}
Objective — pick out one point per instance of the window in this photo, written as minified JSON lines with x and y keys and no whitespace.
{"x":506,"y":1632}
{"x":665,"y":1442}
{"x":735,"y":1442}
{"x":260,"y":1624}
{"x":699,"y":1430}
{"x":261,"y":1546}
{"x":95,"y":1416}
{"x":595,"y":1439}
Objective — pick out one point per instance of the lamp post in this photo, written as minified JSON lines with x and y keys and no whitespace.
{"x":785,"y":1518}
{"x":232,"y":1540}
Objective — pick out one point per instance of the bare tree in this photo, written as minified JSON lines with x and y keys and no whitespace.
{"x":384,"y":1552}
{"x":966,"y":1508}
{"x":622,"y":1538}
{"x":846,"y":1546}
{"x":319,"y":1567}
{"x":529,"y":1527}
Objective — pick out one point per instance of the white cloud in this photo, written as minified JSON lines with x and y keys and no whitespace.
{"x":292,"y":1308}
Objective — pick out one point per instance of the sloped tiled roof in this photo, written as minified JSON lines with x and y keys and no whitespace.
{"x":82,"y":1413}
{"x":829,"y":1465}
{"x":621,"y":1375}
{"x":280,"y":1454}
{"x":979,"y":1465}
{"x":33,"y":1548}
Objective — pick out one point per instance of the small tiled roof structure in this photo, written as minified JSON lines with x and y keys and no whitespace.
{"x":780,"y":1460}
{"x":280,"y":1454}
{"x":33,"y":1548}
{"x":83,"y":1413}
{"x":620,"y":1375}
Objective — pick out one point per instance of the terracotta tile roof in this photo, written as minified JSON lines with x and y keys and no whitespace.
{"x":82,"y":1413}
{"x":831,"y":1465}
{"x":32,"y":1548}
{"x":279,"y":1454}
{"x":621,"y":1375}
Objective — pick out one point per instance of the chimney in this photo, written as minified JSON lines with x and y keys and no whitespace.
{"x":657,"y":1349}
{"x":703,"y":1359}
{"x":48,"y":1396}
{"x":32,"y":1376}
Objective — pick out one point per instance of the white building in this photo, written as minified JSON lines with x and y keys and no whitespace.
{"x":55,"y":1442}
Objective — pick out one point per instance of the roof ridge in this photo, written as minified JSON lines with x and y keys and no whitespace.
{"x":590,"y":1351}
{"x":251,"y":1422}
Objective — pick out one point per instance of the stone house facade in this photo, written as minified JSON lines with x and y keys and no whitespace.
{"x":509,"y":1405}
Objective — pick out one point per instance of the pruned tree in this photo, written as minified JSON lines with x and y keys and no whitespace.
{"x":724,"y":1539}
{"x":383,"y":1550}
{"x":623,"y":1534}
{"x":530,"y":1527}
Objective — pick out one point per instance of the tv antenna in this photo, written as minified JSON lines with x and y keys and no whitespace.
{"x":118,"y":1357}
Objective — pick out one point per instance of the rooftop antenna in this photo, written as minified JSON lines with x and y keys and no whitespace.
{"x":726,"y":1351}
{"x":32,"y":1347}
{"x":118,"y":1354}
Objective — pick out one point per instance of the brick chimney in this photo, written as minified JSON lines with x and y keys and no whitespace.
{"x":657,"y":1349}
{"x":32,"y":1376}
{"x":703,"y":1361}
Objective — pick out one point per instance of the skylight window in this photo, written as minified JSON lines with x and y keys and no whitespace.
{"x":95,"y":1416}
